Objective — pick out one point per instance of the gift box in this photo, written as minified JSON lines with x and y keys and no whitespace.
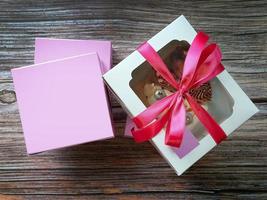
{"x":62,"y":102}
{"x":183,"y":115}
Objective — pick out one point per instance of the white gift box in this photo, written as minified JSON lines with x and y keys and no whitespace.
{"x":230,"y":106}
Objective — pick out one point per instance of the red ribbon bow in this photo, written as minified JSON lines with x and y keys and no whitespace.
{"x":202,"y":63}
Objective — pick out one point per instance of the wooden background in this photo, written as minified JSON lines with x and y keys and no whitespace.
{"x":118,"y":168}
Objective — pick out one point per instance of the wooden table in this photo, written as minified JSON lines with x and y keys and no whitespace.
{"x":119,"y":168}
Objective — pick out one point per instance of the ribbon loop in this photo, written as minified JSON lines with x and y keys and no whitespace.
{"x":192,"y":59}
{"x":201,"y":65}
{"x":209,"y":65}
{"x":148,"y":115}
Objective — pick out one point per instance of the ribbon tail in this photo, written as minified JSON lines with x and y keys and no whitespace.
{"x":209,"y":66}
{"x":209,"y":123}
{"x":176,"y":125}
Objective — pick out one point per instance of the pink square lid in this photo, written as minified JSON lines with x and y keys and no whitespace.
{"x":47,"y":49}
{"x":62,"y":103}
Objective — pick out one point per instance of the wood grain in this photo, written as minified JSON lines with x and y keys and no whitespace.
{"x":118,"y":168}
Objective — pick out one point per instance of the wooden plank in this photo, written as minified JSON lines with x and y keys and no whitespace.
{"x":114,"y":163}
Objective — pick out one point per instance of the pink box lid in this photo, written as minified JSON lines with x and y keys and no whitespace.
{"x":62,"y":103}
{"x":47,"y":49}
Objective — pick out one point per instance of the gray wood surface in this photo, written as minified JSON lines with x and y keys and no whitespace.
{"x":118,"y":168}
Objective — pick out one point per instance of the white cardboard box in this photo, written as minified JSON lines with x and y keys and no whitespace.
{"x":228,"y":94}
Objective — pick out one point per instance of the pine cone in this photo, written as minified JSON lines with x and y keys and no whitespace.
{"x":202,"y":93}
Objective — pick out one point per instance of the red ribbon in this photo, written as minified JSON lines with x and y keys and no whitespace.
{"x":202,"y":64}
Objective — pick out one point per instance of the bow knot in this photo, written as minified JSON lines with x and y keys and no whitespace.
{"x":202,"y":63}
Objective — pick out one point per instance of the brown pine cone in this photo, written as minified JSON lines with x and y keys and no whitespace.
{"x":202,"y":93}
